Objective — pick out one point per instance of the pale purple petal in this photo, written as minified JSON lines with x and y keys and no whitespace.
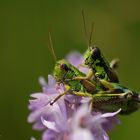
{"x":50,"y":125}
{"x":39,"y":101}
{"x":101,"y":118}
{"x":85,"y":100}
{"x":60,"y":88}
{"x":82,"y":134}
{"x":110,"y":123}
{"x":51,"y":135}
{"x":110,"y":114}
{"x":50,"y":88}
{"x":105,"y":136}
{"x":37,"y":95}
{"x":73,"y":98}
{"x":41,"y":110}
{"x":111,"y":120}
{"x":100,"y":134}
{"x":42,"y":81}
{"x":38,"y":125}
{"x":51,"y":81}
{"x":35,"y":116}
{"x":63,"y":109}
{"x":58,"y":116}
{"x":73,"y":102}
{"x":75,"y":58}
{"x":81,"y":112}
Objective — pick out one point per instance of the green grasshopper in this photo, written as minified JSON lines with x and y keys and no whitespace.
{"x":65,"y":73}
{"x":94,"y":59}
{"x":103,"y":100}
{"x":99,"y":66}
{"x":105,"y":96}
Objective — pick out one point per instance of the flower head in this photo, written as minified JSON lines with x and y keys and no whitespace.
{"x":82,"y":124}
{"x":69,"y":117}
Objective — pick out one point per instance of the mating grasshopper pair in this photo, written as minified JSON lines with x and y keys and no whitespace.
{"x":100,"y":84}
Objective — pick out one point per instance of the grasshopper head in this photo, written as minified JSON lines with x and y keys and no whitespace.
{"x":60,"y":70}
{"x":91,"y":55}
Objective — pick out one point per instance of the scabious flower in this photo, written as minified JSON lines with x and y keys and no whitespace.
{"x":82,"y":124}
{"x":69,"y":118}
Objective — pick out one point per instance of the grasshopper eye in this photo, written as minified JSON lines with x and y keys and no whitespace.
{"x":64,"y":66}
{"x":96,"y":53}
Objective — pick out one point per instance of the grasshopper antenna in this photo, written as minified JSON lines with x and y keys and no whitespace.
{"x":91,"y":33}
{"x":51,"y":49}
{"x":88,"y":38}
{"x":85,"y":30}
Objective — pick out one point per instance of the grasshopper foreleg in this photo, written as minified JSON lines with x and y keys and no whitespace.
{"x":82,"y":94}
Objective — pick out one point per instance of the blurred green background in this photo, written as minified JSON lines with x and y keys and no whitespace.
{"x":24,"y":55}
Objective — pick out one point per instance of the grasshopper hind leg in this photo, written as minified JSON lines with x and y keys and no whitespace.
{"x":60,"y":95}
{"x":80,"y":94}
{"x":105,"y":84}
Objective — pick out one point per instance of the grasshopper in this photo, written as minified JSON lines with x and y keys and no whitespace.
{"x":65,"y":73}
{"x":111,"y":95}
{"x":94,"y":59}
{"x":105,"y":96}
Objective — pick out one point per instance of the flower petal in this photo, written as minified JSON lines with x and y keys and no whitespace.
{"x":42,"y":81}
{"x":82,"y":111}
{"x":81,"y":134}
{"x":38,"y":125}
{"x":51,"y":81}
{"x":111,"y":114}
{"x":75,"y":58}
{"x":49,"y":124}
{"x":51,"y":135}
{"x":37,"y":95}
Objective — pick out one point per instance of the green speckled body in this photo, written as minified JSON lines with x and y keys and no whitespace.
{"x":113,"y":103}
{"x":61,"y":75}
{"x":102,"y":99}
{"x":99,"y":65}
